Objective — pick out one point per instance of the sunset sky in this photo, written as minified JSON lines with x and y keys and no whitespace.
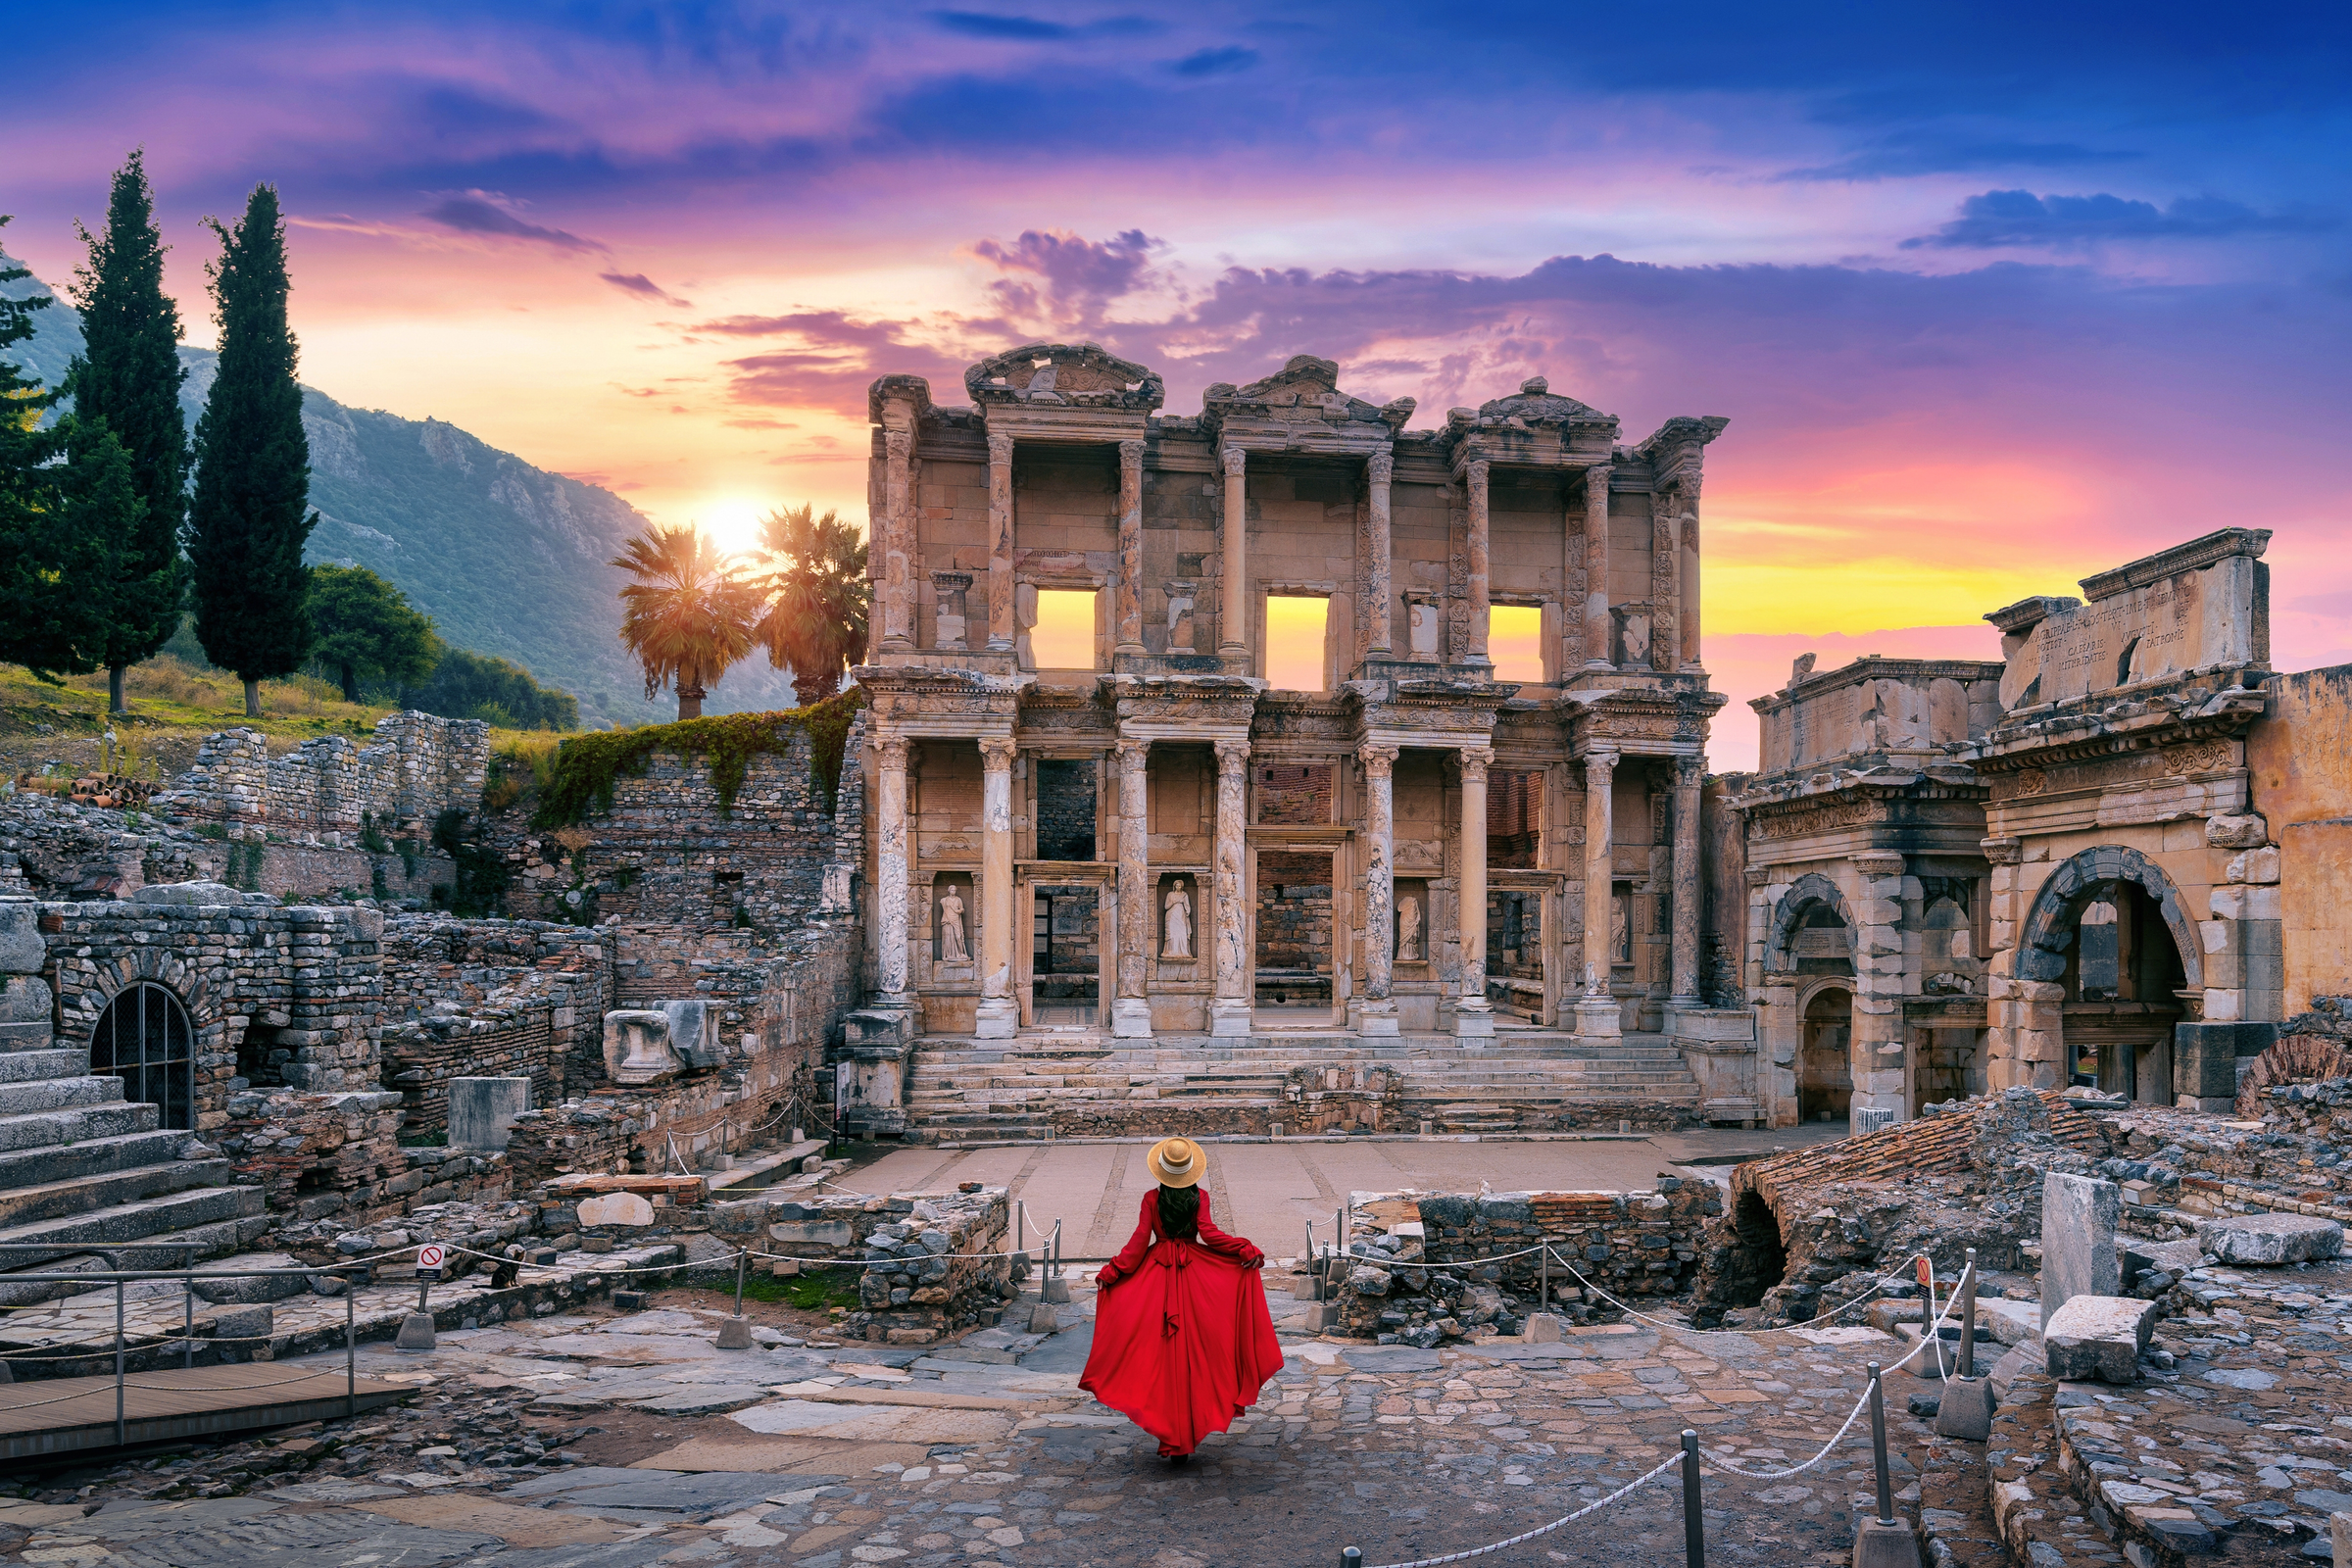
{"x":1994,"y":295}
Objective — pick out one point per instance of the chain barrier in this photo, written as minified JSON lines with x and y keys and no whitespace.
{"x":1544,"y":1529}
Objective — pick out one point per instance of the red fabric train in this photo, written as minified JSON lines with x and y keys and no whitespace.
{"x":1183,"y":1341}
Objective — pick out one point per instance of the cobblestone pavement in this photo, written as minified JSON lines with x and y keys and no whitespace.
{"x":598,"y":1439}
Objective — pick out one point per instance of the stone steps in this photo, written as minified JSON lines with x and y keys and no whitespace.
{"x":56,"y":1093}
{"x":157,"y":1219}
{"x":65,"y":1198}
{"x":92,"y":1156}
{"x":50,"y":1129}
{"x":27,"y":1066}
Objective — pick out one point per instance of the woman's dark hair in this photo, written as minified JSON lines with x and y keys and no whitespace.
{"x":1180,"y":1213}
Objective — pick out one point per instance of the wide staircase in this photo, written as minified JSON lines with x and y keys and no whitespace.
{"x":85,"y":1175}
{"x":998,"y":1089}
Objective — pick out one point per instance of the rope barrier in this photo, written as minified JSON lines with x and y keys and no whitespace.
{"x":1686,"y":1328}
{"x":1543,"y":1530}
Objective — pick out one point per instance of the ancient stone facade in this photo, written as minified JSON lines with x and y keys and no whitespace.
{"x":1073,"y":600}
{"x":330,"y":793}
{"x":2114,"y":858}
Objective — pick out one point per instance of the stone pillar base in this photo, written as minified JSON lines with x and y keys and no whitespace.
{"x":1598,"y":1019}
{"x":1474,"y":1019}
{"x":1878,"y":1543}
{"x":996,"y":1018}
{"x":1377,"y":1019}
{"x":1229,"y":1018}
{"x":1130,"y":1019}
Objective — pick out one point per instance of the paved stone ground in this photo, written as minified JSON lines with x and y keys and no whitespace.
{"x":1270,"y":1191}
{"x":598,"y":1439}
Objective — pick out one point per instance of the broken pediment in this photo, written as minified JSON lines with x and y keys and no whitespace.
{"x":1533,"y":406}
{"x":1306,"y":390}
{"x":1076,"y":374}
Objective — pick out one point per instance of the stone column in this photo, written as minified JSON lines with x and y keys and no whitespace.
{"x":1001,"y":629}
{"x":1000,"y":1015}
{"x":1130,"y":598}
{"x":1379,"y":469}
{"x":1690,"y":772}
{"x":1665,"y":580}
{"x":1690,"y":572}
{"x":1596,"y":1012}
{"x":1131,"y":1009}
{"x":1232,"y":620}
{"x":1599,"y":634}
{"x":890,"y":835}
{"x":898,"y":540}
{"x":1378,"y":1011}
{"x":1876,"y":1050}
{"x":1229,"y":1008}
{"x":1473,"y":1013}
{"x":1481,"y":566}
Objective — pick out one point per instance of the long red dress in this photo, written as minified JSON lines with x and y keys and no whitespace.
{"x":1183,"y":1341}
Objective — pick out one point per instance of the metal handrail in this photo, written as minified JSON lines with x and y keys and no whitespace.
{"x":121,"y":1277}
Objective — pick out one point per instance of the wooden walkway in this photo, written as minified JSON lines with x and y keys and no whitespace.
{"x":72,"y":1415}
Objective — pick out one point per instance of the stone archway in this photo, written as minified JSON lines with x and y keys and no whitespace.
{"x":1825,"y":1076}
{"x":2108,"y":960}
{"x":1801,"y":907}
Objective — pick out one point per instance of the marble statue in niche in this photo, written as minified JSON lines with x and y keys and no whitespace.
{"x":953,"y":947}
{"x":1621,"y":947}
{"x":1422,"y":630}
{"x":1409,"y":929}
{"x":1178,"y":940}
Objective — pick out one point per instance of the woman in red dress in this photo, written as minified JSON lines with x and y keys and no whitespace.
{"x":1183,"y":1341}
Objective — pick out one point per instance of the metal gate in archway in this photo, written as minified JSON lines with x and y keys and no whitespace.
{"x":145,"y":1039}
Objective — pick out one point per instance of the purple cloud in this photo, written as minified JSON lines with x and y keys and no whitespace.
{"x":476,"y":212}
{"x":643,"y":287}
{"x":2012,"y":217}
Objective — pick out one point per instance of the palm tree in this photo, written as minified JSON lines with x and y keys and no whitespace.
{"x":815,"y":620}
{"x":688,"y":617}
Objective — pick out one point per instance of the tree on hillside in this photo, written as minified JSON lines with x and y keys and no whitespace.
{"x":367,"y":629}
{"x":54,"y":521}
{"x":128,"y":375}
{"x":251,"y":512}
{"x":688,"y":617}
{"x":815,"y":618}
{"x":496,"y":690}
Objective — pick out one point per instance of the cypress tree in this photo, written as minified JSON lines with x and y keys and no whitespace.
{"x":130,"y":377}
{"x":250,"y":515}
{"x":49,"y":617}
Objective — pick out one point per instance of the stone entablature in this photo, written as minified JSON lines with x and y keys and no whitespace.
{"x":329,"y":792}
{"x":1883,"y":711}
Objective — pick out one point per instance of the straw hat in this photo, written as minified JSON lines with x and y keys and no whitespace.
{"x":1177,"y":1161}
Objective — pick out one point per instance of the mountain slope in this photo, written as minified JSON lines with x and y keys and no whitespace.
{"x":507,"y":558}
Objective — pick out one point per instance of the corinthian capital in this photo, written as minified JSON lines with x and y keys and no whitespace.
{"x":1230,"y":756}
{"x":1377,"y":760}
{"x":1475,"y":762}
{"x":996,"y":753}
{"x":999,"y":447}
{"x":1235,"y":461}
{"x":891,"y":752}
{"x":1381,"y":467}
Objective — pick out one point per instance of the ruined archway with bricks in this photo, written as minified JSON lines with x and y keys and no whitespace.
{"x":2109,"y":959}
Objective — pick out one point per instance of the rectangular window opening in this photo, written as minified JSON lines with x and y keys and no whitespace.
{"x":1295,"y":629}
{"x":1515,"y":642}
{"x":1063,"y":637}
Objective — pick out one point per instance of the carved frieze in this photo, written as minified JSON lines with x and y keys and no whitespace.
{"x":1828,"y":817}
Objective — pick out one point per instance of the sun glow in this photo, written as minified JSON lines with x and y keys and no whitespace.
{"x":732,"y":523}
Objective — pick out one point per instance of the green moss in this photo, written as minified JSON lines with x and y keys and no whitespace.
{"x":586,"y":767}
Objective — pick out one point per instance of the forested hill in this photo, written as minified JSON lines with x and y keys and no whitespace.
{"x":507,"y":558}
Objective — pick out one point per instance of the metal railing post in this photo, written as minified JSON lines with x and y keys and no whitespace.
{"x":1543,"y":1276}
{"x":1351,"y":1557}
{"x":1694,"y":1523}
{"x":1877,"y":1445}
{"x":187,"y":1320}
{"x":1968,"y":1316}
{"x":351,"y":1348}
{"x":743,"y":1258}
{"x":117,"y":1363}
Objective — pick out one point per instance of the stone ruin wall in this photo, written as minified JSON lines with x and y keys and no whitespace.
{"x":330,"y":793}
{"x":920,"y":1261}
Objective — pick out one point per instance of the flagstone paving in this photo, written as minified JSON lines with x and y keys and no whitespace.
{"x":598,"y":1440}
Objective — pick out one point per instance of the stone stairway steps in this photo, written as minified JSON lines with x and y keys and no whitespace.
{"x":93,"y":1156}
{"x":140,"y":1220}
{"x":56,"y":1093}
{"x":50,"y":1129}
{"x":83,"y":1194}
{"x":27,"y":1066}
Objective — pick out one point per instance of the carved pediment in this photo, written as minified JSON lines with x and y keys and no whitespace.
{"x":1304,"y":390}
{"x":1533,"y":405}
{"x":1073,"y":375}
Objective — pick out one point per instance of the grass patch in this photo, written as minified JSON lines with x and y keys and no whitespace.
{"x":587,"y":767}
{"x":807,"y":1292}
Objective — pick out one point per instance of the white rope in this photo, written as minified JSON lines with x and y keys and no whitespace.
{"x":1851,"y":1415}
{"x":1544,"y":1529}
{"x":1686,"y":1328}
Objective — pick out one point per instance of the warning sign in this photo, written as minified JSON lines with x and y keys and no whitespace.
{"x":428,"y":1261}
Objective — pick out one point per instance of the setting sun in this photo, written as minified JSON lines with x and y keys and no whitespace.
{"x":732,"y":523}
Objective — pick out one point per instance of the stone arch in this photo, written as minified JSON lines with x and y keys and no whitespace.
{"x":145,"y":1036}
{"x":1803,"y":896}
{"x":87,"y":987}
{"x":2049,"y":929}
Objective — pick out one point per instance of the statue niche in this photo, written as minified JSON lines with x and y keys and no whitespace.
{"x":1176,"y":923}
